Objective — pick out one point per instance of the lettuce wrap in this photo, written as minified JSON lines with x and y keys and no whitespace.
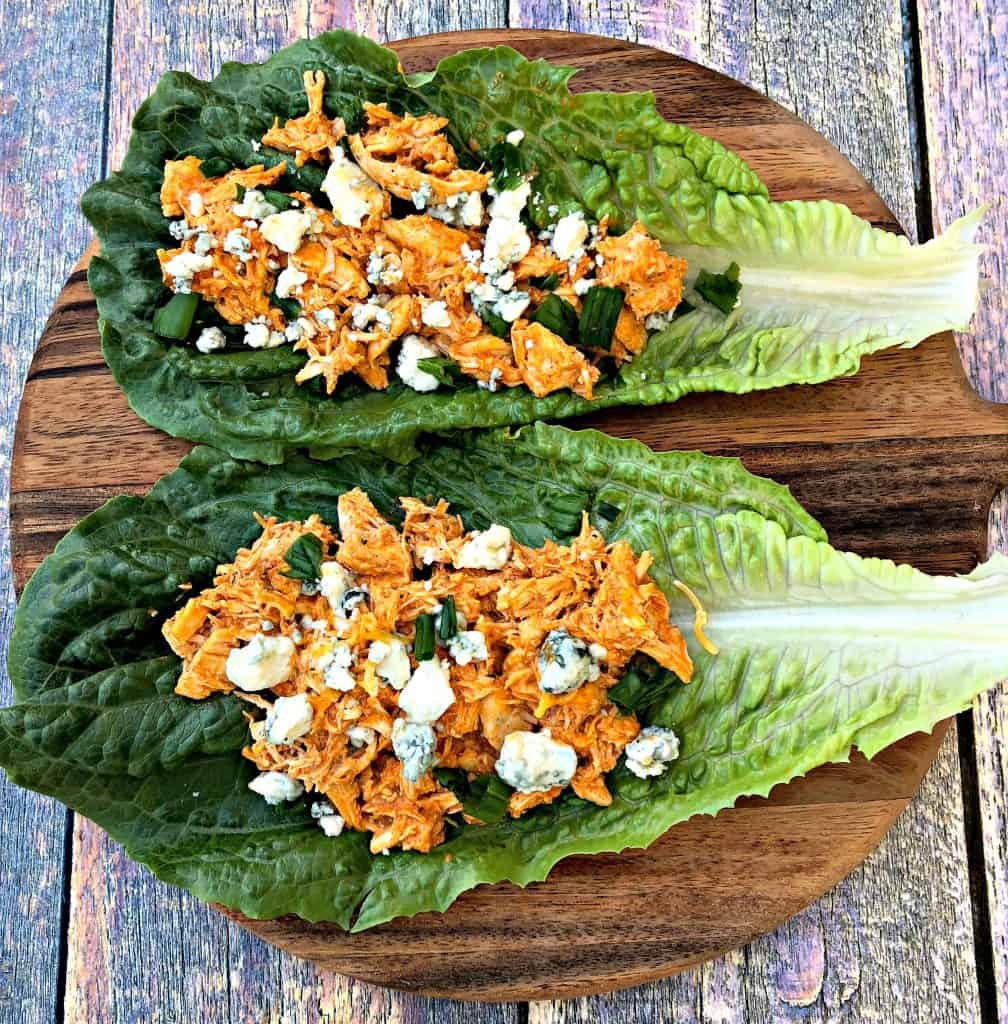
{"x":820,"y":651}
{"x":820,"y":287}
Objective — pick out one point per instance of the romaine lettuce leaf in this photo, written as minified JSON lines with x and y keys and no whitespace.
{"x":820,"y":287}
{"x":820,"y":651}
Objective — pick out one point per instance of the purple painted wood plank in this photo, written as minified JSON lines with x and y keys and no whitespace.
{"x":52,"y":115}
{"x":964,"y":63}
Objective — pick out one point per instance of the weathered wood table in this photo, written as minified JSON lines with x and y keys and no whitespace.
{"x":916,"y":98}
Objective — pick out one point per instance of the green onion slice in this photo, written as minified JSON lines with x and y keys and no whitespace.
{"x":174,"y":319}
{"x":423,"y":642}
{"x":599,"y":313}
{"x":559,"y":316}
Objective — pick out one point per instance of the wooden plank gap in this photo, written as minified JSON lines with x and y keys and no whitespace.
{"x":107,"y":91}
{"x":983,"y":946}
{"x":917,"y":118}
{"x":59,"y":1013}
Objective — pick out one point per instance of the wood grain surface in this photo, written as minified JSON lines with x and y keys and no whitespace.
{"x":860,"y":453}
{"x":841,"y":65}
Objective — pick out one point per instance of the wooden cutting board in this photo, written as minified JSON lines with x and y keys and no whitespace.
{"x":901,"y":461}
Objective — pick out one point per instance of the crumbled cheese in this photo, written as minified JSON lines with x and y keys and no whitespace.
{"x":428,"y":694}
{"x":506,"y":241}
{"x":598,"y":652}
{"x":414,"y":349}
{"x":491,"y":383}
{"x":335,"y":668}
{"x":486,"y":549}
{"x":533,"y":761}
{"x":652,"y":751}
{"x":255,"y":144}
{"x":360,"y":736}
{"x":422,"y":196}
{"x":259,"y":335}
{"x":435,"y":314}
{"x":329,"y":821}
{"x":468,"y":645}
{"x":583,"y":285}
{"x":286,"y":230}
{"x":180,"y":230}
{"x":564,"y":663}
{"x":275,"y":787}
{"x":364,"y":313}
{"x":383,"y":269}
{"x":238,"y":245}
{"x":347,"y":186}
{"x":414,"y":744}
{"x":326,"y":317}
{"x":210,"y":339}
{"x":205,"y":243}
{"x":289,"y":719}
{"x":391,"y":661}
{"x":463,"y":208}
{"x":569,"y":235}
{"x":511,"y":305}
{"x":509,"y":205}
{"x":262,"y":663}
{"x":335,"y":581}
{"x":470,"y":255}
{"x":471,"y":213}
{"x":289,"y":279}
{"x":183,"y":267}
{"x":253,"y":206}
{"x":196,"y":207}
{"x":515,"y":137}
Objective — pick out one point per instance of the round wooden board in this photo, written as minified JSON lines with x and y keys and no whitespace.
{"x":900,"y":461}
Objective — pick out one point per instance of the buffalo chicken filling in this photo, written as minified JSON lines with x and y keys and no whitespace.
{"x":377,"y":657}
{"x":455,"y":279}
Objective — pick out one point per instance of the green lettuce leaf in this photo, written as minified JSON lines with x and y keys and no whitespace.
{"x":820,"y":287}
{"x":820,"y":651}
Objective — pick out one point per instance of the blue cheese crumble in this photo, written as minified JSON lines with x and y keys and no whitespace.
{"x":414,"y":744}
{"x":533,"y":761}
{"x":652,"y":751}
{"x":275,"y":787}
{"x":565,"y":663}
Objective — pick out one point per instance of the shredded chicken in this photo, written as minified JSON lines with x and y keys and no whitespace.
{"x":352,"y":286}
{"x":600,"y":594}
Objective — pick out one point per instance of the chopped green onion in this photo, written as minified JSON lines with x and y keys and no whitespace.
{"x":290,"y":308}
{"x":509,"y":167}
{"x":599,"y":313}
{"x":447,"y":620}
{"x":559,"y":316}
{"x":547,"y":282}
{"x":608,"y":511}
{"x":240,"y":191}
{"x":304,"y":558}
{"x":495,"y":324}
{"x":280,"y":200}
{"x":643,"y":683}
{"x":484,"y":798}
{"x":215,"y":167}
{"x":423,"y":642}
{"x":720,"y":290}
{"x":445,"y":371}
{"x":174,"y":319}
